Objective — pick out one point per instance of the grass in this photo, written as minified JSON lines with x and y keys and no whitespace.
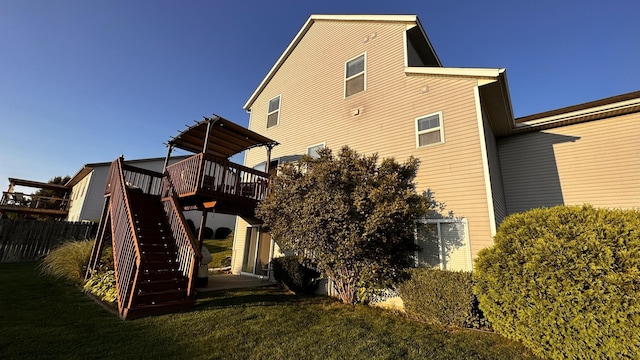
{"x":44,"y":318}
{"x":219,"y":249}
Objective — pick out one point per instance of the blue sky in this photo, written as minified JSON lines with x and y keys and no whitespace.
{"x":85,"y":81}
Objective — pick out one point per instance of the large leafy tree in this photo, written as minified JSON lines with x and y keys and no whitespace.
{"x":351,"y":216}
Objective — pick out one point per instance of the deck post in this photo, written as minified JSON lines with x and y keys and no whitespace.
{"x":166,"y":160}
{"x":203,"y":223}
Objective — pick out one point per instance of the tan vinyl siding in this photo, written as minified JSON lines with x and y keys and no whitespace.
{"x":595,"y":162}
{"x":495,"y":173}
{"x":239,"y":242}
{"x":315,"y":111}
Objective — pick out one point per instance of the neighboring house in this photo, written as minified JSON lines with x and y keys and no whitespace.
{"x":374,"y":83}
{"x":88,"y":188}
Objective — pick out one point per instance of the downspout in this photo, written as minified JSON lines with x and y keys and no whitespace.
{"x":267,"y":165}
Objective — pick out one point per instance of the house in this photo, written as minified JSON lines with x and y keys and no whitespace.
{"x":375,"y":83}
{"x":88,"y":189}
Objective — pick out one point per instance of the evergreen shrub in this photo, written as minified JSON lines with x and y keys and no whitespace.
{"x":565,"y":281}
{"x":290,"y":272}
{"x":441,"y":297}
{"x":222,"y":232}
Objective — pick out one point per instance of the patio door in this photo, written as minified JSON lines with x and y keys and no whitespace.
{"x":258,"y":250}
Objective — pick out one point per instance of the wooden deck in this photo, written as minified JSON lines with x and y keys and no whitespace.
{"x":208,"y":181}
{"x":20,"y":203}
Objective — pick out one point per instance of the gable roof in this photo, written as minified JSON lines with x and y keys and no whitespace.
{"x":426,"y":49}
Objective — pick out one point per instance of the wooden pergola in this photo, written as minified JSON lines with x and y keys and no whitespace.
{"x":208,"y":180}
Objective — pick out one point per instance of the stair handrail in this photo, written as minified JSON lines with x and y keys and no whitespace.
{"x":126,"y":249}
{"x":188,"y":253}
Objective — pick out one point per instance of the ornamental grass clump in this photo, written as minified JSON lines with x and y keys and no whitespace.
{"x":565,"y":281}
{"x":68,"y":261}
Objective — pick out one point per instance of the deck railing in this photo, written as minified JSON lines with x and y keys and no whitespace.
{"x":32,"y":201}
{"x":217,"y":177}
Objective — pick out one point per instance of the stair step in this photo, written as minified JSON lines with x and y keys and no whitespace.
{"x":159,"y":297}
{"x":156,"y":246}
{"x":159,"y":309}
{"x":161,"y":285}
{"x":160,"y":275}
{"x":158,"y":256}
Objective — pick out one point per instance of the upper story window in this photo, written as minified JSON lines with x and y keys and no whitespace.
{"x":313,"y":150}
{"x":355,"y":75}
{"x":273,"y":114}
{"x":429,"y":130}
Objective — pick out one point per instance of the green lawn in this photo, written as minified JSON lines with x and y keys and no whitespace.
{"x":45,"y":319}
{"x":219,"y":249}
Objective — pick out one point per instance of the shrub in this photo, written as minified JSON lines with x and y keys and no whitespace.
{"x":565,"y":281}
{"x":68,"y":261}
{"x":290,"y":272}
{"x":102,"y":285}
{"x":226,"y":261}
{"x":441,"y":297}
{"x":222,"y":233}
{"x":207,"y":234}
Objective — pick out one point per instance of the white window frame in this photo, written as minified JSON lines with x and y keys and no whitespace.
{"x":279,"y":97}
{"x":441,"y":264}
{"x":364,"y":72}
{"x":441,"y":128}
{"x":322,"y":144}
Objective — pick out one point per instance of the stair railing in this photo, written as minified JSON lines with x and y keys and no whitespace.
{"x":126,"y":250}
{"x":188,"y":254}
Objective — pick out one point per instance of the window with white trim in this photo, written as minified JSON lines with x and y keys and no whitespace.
{"x":429,"y":130}
{"x":273,"y":113}
{"x":443,"y":244}
{"x":355,"y":75}
{"x":313,"y":150}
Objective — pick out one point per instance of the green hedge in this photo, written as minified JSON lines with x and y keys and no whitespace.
{"x":565,"y":281}
{"x":290,"y":272}
{"x":441,"y":297}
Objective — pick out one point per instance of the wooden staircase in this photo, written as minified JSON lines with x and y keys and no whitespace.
{"x":162,"y":287}
{"x":155,"y":254}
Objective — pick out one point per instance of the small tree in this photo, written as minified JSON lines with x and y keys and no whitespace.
{"x":351,"y":218}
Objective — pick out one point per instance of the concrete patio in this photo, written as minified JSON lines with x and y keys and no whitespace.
{"x":230,"y":281}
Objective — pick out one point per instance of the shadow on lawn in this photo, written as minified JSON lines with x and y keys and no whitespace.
{"x":265,"y":296}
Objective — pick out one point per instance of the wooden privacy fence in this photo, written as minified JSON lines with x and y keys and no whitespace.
{"x":30,"y":240}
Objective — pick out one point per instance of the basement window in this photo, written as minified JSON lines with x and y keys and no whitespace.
{"x":444,"y":244}
{"x":313,"y":150}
